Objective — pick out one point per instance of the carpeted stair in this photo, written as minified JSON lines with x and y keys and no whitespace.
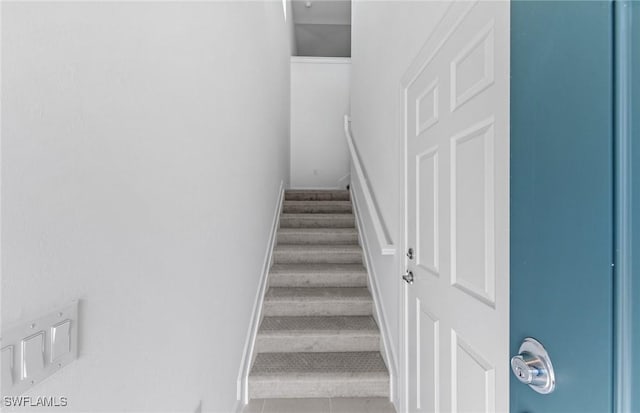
{"x":318,"y":337}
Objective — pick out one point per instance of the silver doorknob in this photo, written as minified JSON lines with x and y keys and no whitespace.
{"x":533,"y":366}
{"x":408,"y":277}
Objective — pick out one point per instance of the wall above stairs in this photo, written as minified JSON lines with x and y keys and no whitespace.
{"x":319,"y":100}
{"x":379,"y":59}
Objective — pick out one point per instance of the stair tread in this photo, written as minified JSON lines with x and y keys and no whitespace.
{"x":312,"y":202}
{"x":317,"y":236}
{"x":324,"y":293}
{"x":316,"y":216}
{"x":317,"y":195}
{"x":352,"y":363}
{"x":319,"y":269}
{"x":317,"y":207}
{"x":317,"y":254}
{"x":318,"y":325}
{"x":316,"y":230}
{"x":320,"y":248}
{"x":316,"y":191}
{"x":317,"y":220}
{"x":318,"y":275}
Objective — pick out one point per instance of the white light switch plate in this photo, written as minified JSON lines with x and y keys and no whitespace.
{"x":7,"y":365}
{"x":38,"y":348}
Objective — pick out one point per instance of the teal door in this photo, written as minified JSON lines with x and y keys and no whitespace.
{"x":562,"y":192}
{"x":634,"y":111}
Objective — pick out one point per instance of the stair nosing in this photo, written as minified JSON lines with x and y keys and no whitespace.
{"x":326,"y":292}
{"x":338,"y":247}
{"x":331,"y":298}
{"x":335,"y":324}
{"x":324,"y":375}
{"x":316,"y":363}
{"x":342,"y":230}
{"x":337,"y":267}
{"x":316,"y":215}
{"x":316,"y":201}
{"x":320,"y":333}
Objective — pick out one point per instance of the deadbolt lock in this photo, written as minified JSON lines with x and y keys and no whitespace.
{"x":533,"y":366}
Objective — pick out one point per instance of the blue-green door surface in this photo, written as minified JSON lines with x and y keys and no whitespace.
{"x":562,"y":199}
{"x":634,"y":113}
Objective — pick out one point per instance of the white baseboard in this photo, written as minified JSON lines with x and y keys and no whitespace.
{"x":242,"y":394}
{"x":379,"y":313}
{"x":344,"y":181}
{"x":239,"y":406}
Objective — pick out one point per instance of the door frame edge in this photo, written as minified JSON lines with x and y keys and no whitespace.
{"x":622,"y":207}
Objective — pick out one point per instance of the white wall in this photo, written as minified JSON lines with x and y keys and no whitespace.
{"x":386,"y":36}
{"x":293,"y":46}
{"x":319,"y":101}
{"x":143,"y":147}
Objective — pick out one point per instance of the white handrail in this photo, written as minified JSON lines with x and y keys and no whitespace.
{"x":386,"y":246}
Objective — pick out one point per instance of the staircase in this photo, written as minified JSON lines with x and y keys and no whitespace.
{"x":318,"y":337}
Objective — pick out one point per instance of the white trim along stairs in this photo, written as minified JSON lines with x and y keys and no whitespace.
{"x":317,"y":336}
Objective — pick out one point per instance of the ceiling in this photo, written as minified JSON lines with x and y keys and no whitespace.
{"x":322,"y":27}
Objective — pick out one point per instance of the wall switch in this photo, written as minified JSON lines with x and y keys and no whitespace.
{"x":32,"y":355}
{"x":60,"y":339}
{"x":38,"y":348}
{"x":7,"y":366}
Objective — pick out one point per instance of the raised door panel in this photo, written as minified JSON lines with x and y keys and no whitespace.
{"x":457,"y":145}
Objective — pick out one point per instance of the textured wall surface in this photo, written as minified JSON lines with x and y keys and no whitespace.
{"x":143,"y":147}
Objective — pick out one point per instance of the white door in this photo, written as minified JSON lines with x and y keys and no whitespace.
{"x":456,"y":125}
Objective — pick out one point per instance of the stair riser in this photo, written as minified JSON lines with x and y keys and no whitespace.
{"x":316,"y":209}
{"x":300,"y":388}
{"x":317,"y":222}
{"x":321,"y":238}
{"x":317,"y":196}
{"x":317,"y":257}
{"x":317,"y":308}
{"x":317,"y":280}
{"x":289,"y":343}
